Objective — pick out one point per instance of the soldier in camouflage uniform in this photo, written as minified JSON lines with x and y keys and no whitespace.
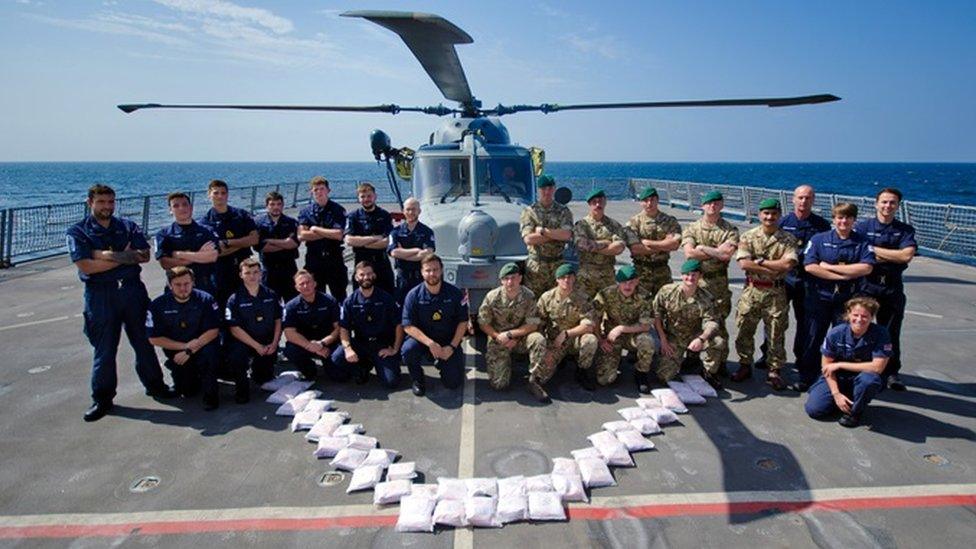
{"x":546,"y":227}
{"x":568,"y":323}
{"x":599,"y":240}
{"x":766,"y":253}
{"x":657,"y":234}
{"x":509,"y":317}
{"x":625,"y":320}
{"x":713,"y":241}
{"x":687,"y":324}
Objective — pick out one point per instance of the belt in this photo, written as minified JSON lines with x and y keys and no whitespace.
{"x":546,"y":259}
{"x":765,"y":284}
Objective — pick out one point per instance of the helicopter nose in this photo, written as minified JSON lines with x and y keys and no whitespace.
{"x":477,"y":235}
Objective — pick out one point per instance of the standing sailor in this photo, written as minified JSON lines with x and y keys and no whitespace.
{"x":320,"y":227}
{"x":278,"y":247}
{"x":186,"y":243}
{"x":546,"y":227}
{"x":600,"y":240}
{"x":410,"y":242}
{"x":237,"y":233}
{"x":658,"y":234}
{"x":367,"y":232}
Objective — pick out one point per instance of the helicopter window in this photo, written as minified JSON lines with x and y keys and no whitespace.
{"x":441,"y":178}
{"x":507,"y":177}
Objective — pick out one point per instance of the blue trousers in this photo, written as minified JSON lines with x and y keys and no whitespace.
{"x":200,"y":372}
{"x":110,"y":307}
{"x":241,"y":357}
{"x":451,"y":370}
{"x":819,"y":315}
{"x":891,"y":314}
{"x":387,"y":369}
{"x":406,"y":281}
{"x":860,"y":388}
{"x":280,"y":278}
{"x":305,"y":362}
{"x":332,"y":275}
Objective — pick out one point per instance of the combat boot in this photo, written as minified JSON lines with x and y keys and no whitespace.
{"x":588,"y":379}
{"x":536,"y":389}
{"x":643,"y":385}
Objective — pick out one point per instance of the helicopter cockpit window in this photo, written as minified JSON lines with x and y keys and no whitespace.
{"x":510,"y":178}
{"x":442,"y":179}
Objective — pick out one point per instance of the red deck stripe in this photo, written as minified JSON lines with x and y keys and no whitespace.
{"x":376,"y":521}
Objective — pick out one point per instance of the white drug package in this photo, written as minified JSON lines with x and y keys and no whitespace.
{"x":450,"y":512}
{"x":646,"y":425}
{"x":362,"y":442}
{"x":595,"y":473}
{"x":451,"y":488}
{"x":612,"y":450}
{"x":480,"y":511}
{"x":416,"y":514}
{"x":615,"y":426}
{"x":686,"y":393}
{"x":284,"y":378}
{"x":426,"y":490}
{"x":329,"y":446}
{"x":348,"y":429}
{"x":385,"y":493}
{"x":590,"y":452}
{"x":348,"y":459}
{"x":406,"y":470}
{"x":324,"y":427}
{"x":482,"y":487}
{"x":546,"y":506}
{"x":669,"y":399}
{"x":288,"y":392}
{"x":318,"y":405}
{"x":364,"y":478}
{"x":649,"y":402}
{"x":513,"y":505}
{"x":539,"y":483}
{"x":296,"y":404}
{"x":633,"y":412}
{"x":381,"y":457}
{"x":567,"y":481}
{"x":699,"y":385}
{"x":634,"y":441}
{"x":304,"y":420}
{"x":662,"y":415}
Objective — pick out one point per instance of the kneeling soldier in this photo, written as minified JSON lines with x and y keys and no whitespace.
{"x":567,"y":317}
{"x":625,"y":321}
{"x":185,"y":323}
{"x":510,"y":319}
{"x":253,"y":317}
{"x":687,"y":323}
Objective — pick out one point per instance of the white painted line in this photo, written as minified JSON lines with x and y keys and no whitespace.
{"x":33,"y":323}
{"x":926,"y":315}
{"x":464,"y":537}
{"x":25,"y":315}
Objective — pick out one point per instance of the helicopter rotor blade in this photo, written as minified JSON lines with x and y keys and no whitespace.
{"x":438,"y":110}
{"x":431,"y":38}
{"x":762,"y":102}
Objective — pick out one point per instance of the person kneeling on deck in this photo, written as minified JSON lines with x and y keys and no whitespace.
{"x":435,"y":318}
{"x":568,"y":322}
{"x":687,"y":323}
{"x":370,"y":331}
{"x":185,"y":323}
{"x":855,"y":354}
{"x":624,"y":318}
{"x":510,"y":318}
{"x":253,"y":316}
{"x":311,"y":323}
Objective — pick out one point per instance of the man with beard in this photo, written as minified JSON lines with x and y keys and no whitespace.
{"x":410,"y":242}
{"x":370,"y":331}
{"x":367,"y":232}
{"x":108,"y":251}
{"x":237,"y":233}
{"x":186,"y":243}
{"x":253,"y":318}
{"x":435,"y":318}
{"x":278,"y":247}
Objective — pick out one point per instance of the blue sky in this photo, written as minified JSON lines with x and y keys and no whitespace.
{"x":906,"y":71}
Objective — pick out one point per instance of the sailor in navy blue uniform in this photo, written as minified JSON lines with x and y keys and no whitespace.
{"x":367,"y":232}
{"x":278,"y":246}
{"x":187,"y":243}
{"x":311,"y":324}
{"x":837,"y":262}
{"x":320,"y":226}
{"x":370,"y":331}
{"x":237,"y":233}
{"x":894,"y":247}
{"x":802,"y":223}
{"x":854,"y":358}
{"x":435,"y":318}
{"x":253,"y":317}
{"x":410,"y":242}
{"x":185,"y":323}
{"x":108,"y":251}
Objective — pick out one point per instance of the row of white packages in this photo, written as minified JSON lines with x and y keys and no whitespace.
{"x":419,"y":513}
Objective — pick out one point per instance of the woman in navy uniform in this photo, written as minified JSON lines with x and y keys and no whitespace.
{"x":311,"y":324}
{"x":435,"y":317}
{"x":854,"y":357}
{"x":370,"y":331}
{"x":253,"y":317}
{"x":187,"y":243}
{"x":278,"y":247}
{"x":185,"y":323}
{"x":410,"y":242}
{"x":320,"y":226}
{"x":107,"y":251}
{"x":237,"y":233}
{"x":368,"y":233}
{"x":837,"y":261}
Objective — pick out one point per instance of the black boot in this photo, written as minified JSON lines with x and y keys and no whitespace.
{"x":588,"y":378}
{"x":643,"y":385}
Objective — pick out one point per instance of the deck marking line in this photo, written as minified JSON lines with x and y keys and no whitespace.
{"x":33,"y":323}
{"x":464,"y":537}
{"x":927,"y":315}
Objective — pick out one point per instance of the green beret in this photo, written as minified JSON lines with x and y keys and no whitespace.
{"x":712,"y":196}
{"x":545,"y":180}
{"x":769,"y":204}
{"x":597,"y":193}
{"x":565,"y":269}
{"x":508,"y":269}
{"x":625,"y":273}
{"x":647,"y":193}
{"x":690,"y":265}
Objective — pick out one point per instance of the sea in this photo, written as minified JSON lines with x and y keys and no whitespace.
{"x":38,"y":183}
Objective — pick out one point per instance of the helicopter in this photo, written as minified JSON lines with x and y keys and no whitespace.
{"x":470,"y":179}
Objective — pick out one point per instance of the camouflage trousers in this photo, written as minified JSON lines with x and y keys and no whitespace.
{"x":717,"y":285}
{"x":652,"y":278}
{"x":771,"y":307}
{"x":540,"y":275}
{"x":607,"y":363}
{"x":593,"y":278}
{"x":711,"y":354}
{"x":583,"y":347}
{"x":498,"y":359}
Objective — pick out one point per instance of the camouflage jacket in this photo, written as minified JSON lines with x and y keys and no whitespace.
{"x":685,"y":315}
{"x":556,"y":216}
{"x":701,"y":232}
{"x":588,"y":229}
{"x":754,"y":244}
{"x":502,"y":313}
{"x":614,"y":309}
{"x":658,"y":227}
{"x":562,"y":313}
